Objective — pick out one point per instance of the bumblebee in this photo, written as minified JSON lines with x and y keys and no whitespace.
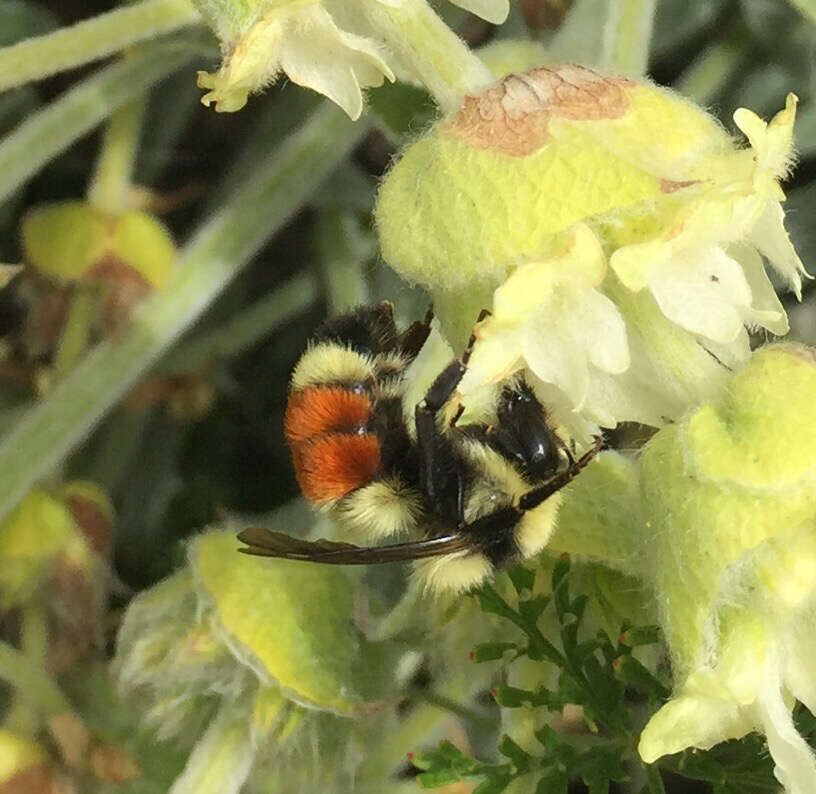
{"x":472,"y":497}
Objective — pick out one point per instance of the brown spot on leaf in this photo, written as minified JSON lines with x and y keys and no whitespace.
{"x":93,"y":521}
{"x":76,"y":614}
{"x":126,"y":286}
{"x":111,"y":764}
{"x":72,"y":738}
{"x":669,"y":186}
{"x":39,"y":779}
{"x":514,"y":116}
{"x":540,"y":15}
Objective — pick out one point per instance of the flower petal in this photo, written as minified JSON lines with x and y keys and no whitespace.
{"x":319,"y":55}
{"x":795,"y":761}
{"x":765,"y":301}
{"x":554,"y":353}
{"x":705,"y":292}
{"x":496,"y":356}
{"x":800,"y":657}
{"x":494,"y":11}
{"x":702,"y":715}
{"x":772,"y":143}
{"x":772,"y":241}
{"x":596,"y":319}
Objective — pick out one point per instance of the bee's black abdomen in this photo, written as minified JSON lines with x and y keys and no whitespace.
{"x":368,"y":330}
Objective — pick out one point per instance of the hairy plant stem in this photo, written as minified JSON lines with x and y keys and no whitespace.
{"x":31,"y":682}
{"x":77,"y":330}
{"x":214,"y":256}
{"x":34,"y":633}
{"x":342,"y":248}
{"x":627,"y":35}
{"x":47,"y":133}
{"x":430,"y":49}
{"x":411,"y":732}
{"x":222,"y":759}
{"x":245,"y":329}
{"x":92,"y":39}
{"x":807,"y":8}
{"x":712,"y":69}
{"x":111,"y":181}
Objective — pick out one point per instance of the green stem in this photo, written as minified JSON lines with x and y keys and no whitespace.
{"x":807,"y":8}
{"x":77,"y":331}
{"x":386,"y":755}
{"x":628,"y":34}
{"x":654,"y":779}
{"x":53,"y":129}
{"x":435,"y":54}
{"x":451,"y":706}
{"x":110,"y":185}
{"x":32,"y":683}
{"x":20,"y":712}
{"x":222,"y":758}
{"x":215,"y":255}
{"x":244,"y":330}
{"x":34,"y":634}
{"x":95,"y":38}
{"x":342,"y":247}
{"x":712,"y":69}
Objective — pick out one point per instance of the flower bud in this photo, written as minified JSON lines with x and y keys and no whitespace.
{"x":31,"y":539}
{"x":288,"y":622}
{"x":729,"y":503}
{"x":25,"y":767}
{"x":92,"y":512}
{"x":71,"y":241}
{"x":266,"y":645}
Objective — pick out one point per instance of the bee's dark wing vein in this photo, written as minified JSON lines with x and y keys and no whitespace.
{"x":268,"y":543}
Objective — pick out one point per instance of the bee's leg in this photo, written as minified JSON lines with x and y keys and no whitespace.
{"x":535,"y":496}
{"x":483,"y":314}
{"x":411,"y":340}
{"x":441,"y":472}
{"x":441,"y":469}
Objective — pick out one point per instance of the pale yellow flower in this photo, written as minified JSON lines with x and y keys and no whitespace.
{"x":481,"y":209}
{"x":297,"y":37}
{"x":494,"y":11}
{"x":551,"y":317}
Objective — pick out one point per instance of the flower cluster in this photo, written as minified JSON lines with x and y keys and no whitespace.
{"x":613,"y":228}
{"x":729,"y":515}
{"x":329,"y":46}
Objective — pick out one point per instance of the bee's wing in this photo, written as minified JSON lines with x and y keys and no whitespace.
{"x":267,"y":543}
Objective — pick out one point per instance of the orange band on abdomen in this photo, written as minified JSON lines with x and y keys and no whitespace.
{"x":335,"y":465}
{"x":314,"y":412}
